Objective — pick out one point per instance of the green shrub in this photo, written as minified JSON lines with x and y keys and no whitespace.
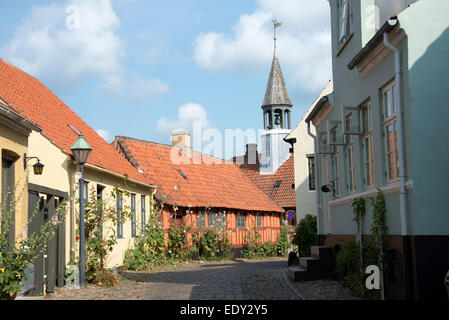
{"x":212,"y":244}
{"x":149,"y":247}
{"x":15,"y":257}
{"x":282,"y":244}
{"x":254,"y":249}
{"x":348,"y":267}
{"x":178,"y":244}
{"x":306,"y":235}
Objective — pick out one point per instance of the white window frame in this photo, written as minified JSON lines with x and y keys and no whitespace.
{"x":350,"y":172}
{"x":344,"y":26}
{"x":336,"y":173}
{"x":390,"y":119}
{"x":312,"y":174}
{"x":368,"y":145}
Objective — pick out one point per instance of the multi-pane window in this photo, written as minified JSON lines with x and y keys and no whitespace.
{"x":344,"y":20}
{"x":221,"y":219}
{"x":259,"y":221}
{"x":133,"y":215}
{"x":368,"y":145}
{"x":390,"y":132}
{"x":212,"y":219}
{"x":334,"y":136}
{"x":311,"y":162}
{"x":350,"y":169}
{"x":348,"y":125}
{"x":241,"y":221}
{"x":201,"y":220}
{"x":336,"y":173}
{"x":142,"y":213}
{"x":119,"y":214}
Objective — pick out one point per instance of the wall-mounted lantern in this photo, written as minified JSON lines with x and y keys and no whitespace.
{"x":38,"y":167}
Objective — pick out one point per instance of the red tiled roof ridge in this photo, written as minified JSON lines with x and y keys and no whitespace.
{"x":169,"y":146}
{"x":258,"y":187}
{"x":285,"y":196}
{"x":38,"y":104}
{"x":219,"y":185}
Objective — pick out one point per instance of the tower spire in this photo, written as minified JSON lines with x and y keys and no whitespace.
{"x":276,"y":24}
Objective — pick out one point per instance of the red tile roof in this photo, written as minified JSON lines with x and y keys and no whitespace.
{"x":35,"y":102}
{"x":284,"y":195}
{"x":220,"y":184}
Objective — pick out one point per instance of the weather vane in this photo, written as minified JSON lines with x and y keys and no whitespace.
{"x":276,"y":24}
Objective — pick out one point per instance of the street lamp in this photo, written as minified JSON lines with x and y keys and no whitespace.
{"x":81,"y":150}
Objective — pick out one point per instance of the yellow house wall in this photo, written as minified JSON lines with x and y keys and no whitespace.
{"x":18,"y":143}
{"x":110,"y":182}
{"x":59,"y":173}
{"x":55,"y":174}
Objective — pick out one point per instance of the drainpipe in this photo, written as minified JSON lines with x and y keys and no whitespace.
{"x":317,"y":190}
{"x":402,"y":172}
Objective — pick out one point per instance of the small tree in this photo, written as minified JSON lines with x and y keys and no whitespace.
{"x":306,"y":235}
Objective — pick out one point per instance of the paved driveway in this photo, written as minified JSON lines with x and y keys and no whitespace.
{"x":228,"y":280}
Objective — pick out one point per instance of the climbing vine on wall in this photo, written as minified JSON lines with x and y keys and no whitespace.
{"x":379,"y":231}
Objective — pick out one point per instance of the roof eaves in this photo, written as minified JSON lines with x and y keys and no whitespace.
{"x":7,"y":111}
{"x":118,"y":175}
{"x":374,"y":42}
{"x":317,"y":108}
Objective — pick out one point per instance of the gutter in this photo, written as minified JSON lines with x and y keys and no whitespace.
{"x":398,"y":96}
{"x":18,"y":118}
{"x":121,"y":176}
{"x":317,"y":108}
{"x":373,"y":43}
{"x":402,"y":169}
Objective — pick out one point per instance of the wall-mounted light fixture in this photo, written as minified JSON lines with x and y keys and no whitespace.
{"x":38,"y":167}
{"x":328,"y":188}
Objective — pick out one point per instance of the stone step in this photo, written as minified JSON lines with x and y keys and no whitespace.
{"x":297,"y":273}
{"x":305,"y":262}
{"x":321,"y":252}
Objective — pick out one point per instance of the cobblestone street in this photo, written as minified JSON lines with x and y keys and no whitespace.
{"x":229,"y":280}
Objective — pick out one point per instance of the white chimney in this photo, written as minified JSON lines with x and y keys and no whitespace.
{"x":181,"y":139}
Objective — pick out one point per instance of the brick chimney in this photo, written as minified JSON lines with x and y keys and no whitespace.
{"x":251,"y":153}
{"x":181,"y":139}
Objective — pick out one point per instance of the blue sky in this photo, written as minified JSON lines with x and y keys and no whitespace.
{"x":143,"y":68}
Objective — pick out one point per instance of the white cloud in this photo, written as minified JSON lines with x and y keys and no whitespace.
{"x":105,"y":134}
{"x":134,"y":87}
{"x":187,"y":115}
{"x":63,"y":48}
{"x":304,"y":43}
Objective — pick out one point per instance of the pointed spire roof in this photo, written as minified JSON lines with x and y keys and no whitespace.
{"x":276,"y":93}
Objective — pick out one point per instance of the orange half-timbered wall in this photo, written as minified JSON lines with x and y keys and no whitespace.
{"x":269,"y":231}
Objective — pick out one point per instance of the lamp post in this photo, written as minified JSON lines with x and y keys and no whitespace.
{"x":81,"y":150}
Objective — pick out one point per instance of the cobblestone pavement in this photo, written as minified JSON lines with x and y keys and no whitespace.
{"x":228,"y":280}
{"x":324,"y":290}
